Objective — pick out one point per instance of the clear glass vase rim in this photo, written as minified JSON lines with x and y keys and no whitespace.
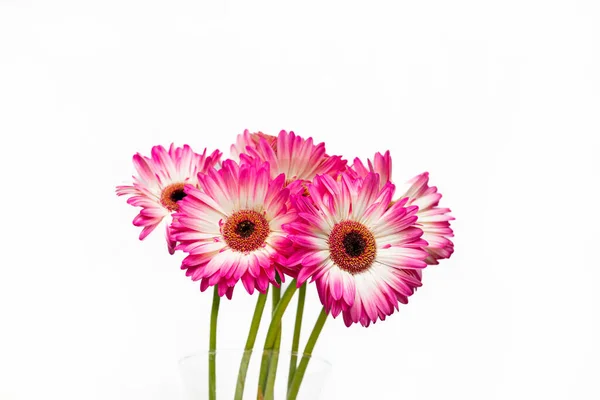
{"x":258,"y":351}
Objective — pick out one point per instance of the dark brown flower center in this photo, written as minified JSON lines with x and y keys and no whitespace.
{"x":245,"y":231}
{"x":352,"y":246}
{"x":171,"y":195}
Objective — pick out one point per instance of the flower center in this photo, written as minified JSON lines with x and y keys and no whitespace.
{"x":171,"y":195}
{"x":352,"y":246}
{"x":245,"y":231}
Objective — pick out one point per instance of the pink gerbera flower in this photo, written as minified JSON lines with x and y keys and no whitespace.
{"x":364,"y":255}
{"x":248,"y":139}
{"x":298,"y":158}
{"x":231,"y":229}
{"x":158,"y":186}
{"x":434,"y":220}
{"x":381,"y":164}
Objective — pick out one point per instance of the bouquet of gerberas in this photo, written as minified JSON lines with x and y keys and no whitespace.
{"x":281,"y":207}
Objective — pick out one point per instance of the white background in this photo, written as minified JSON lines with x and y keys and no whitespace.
{"x":498,"y":100}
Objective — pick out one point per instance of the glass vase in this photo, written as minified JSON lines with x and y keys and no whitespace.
{"x":194,"y":373}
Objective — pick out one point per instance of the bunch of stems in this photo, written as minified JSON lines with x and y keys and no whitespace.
{"x":270,"y":354}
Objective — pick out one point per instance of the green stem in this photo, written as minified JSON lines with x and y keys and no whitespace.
{"x":272,"y":374}
{"x":272,"y":334}
{"x":276,"y":293}
{"x":212,"y":355}
{"x":269,"y":383}
{"x":310,"y":345}
{"x":258,"y":312}
{"x":297,"y":329}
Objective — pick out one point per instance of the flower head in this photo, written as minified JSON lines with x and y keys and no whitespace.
{"x":298,"y":158}
{"x":158,"y":185}
{"x":364,"y":255}
{"x":381,"y":164}
{"x":432,"y":219}
{"x":248,"y":139}
{"x":231,"y":229}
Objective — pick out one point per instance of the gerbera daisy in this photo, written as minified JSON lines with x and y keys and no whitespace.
{"x":433,"y":220}
{"x":248,"y":139}
{"x":158,"y":186}
{"x":381,"y":164}
{"x":298,"y":158}
{"x":364,"y":255}
{"x":231,"y":229}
